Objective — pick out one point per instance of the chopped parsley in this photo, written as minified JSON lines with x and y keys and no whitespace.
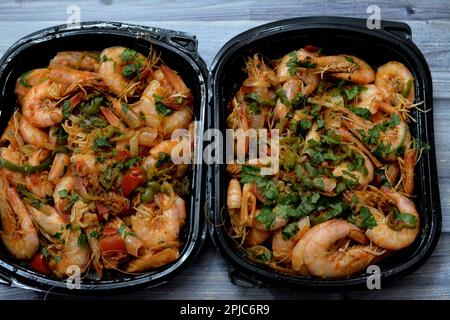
{"x":124,"y":107}
{"x":162,"y":109}
{"x":265,"y":185}
{"x":267,"y":217}
{"x":72,"y":199}
{"x":101,"y":143}
{"x":162,"y":159}
{"x":63,"y":193}
{"x":131,"y":70}
{"x":364,"y":220}
{"x":23,"y":80}
{"x":289,"y":231}
{"x":293,"y":63}
{"x":128,"y":55}
{"x":66,"y":109}
{"x":121,"y":229}
{"x":82,"y":241}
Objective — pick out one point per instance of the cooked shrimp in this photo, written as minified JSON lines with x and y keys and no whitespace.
{"x":152,"y":260}
{"x":39,"y":184}
{"x":69,"y":79}
{"x":133,"y":243}
{"x":164,"y":147}
{"x":28,"y":80}
{"x":369,"y":98}
{"x":385,"y":234}
{"x":346,"y":67}
{"x":177,"y":120}
{"x":74,"y":251}
{"x":32,"y":135}
{"x":248,"y":206}
{"x":155,"y":228}
{"x":50,"y":222}
{"x":324,"y":260}
{"x":256,"y":237}
{"x":298,"y":252}
{"x":62,"y":192}
{"x":59,"y":166}
{"x":18,"y":232}
{"x":394,"y":80}
{"x":39,"y":105}
{"x":291,"y":88}
{"x":84,"y":164}
{"x":38,"y":156}
{"x":363,"y":175}
{"x":179,"y":95}
{"x":257,"y":85}
{"x":146,"y":106}
{"x":234,"y":194}
{"x":118,"y":67}
{"x":172,"y":119}
{"x":282,"y":248}
{"x":79,"y":60}
{"x":285,"y":71}
{"x":278,"y":223}
{"x":127,"y":115}
{"x":388,"y":139}
{"x":92,"y":227}
{"x":408,"y":171}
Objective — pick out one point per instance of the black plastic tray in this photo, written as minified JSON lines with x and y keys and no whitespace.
{"x":336,"y":35}
{"x":179,"y":51}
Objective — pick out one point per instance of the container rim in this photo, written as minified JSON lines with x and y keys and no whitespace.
{"x":244,"y":271}
{"x":185,"y":46}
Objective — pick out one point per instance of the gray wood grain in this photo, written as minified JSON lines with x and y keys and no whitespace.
{"x":215,"y":22}
{"x":210,"y":10}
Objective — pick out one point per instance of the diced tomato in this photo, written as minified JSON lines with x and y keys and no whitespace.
{"x":109,"y":231}
{"x":122,"y":155}
{"x":112,"y":244}
{"x":39,"y":264}
{"x":311,"y":48}
{"x":130,"y":182}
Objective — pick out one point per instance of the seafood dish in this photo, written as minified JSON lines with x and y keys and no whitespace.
{"x":342,"y":198}
{"x":87,"y":180}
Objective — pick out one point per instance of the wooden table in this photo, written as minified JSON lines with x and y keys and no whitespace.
{"x":215,"y":22}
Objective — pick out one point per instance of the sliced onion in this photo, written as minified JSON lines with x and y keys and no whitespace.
{"x":134,"y":145}
{"x":148,"y":137}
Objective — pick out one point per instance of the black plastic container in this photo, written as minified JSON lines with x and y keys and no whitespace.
{"x":179,"y":51}
{"x":336,"y":35}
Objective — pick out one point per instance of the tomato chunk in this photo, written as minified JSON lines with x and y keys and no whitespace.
{"x":131,"y":181}
{"x":112,"y":244}
{"x":39,"y":264}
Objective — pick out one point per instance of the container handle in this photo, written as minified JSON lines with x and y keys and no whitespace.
{"x":398,"y":29}
{"x":184,"y":41}
{"x":189,"y":43}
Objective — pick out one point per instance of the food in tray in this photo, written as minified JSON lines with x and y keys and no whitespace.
{"x":342,"y":197}
{"x":87,"y":179}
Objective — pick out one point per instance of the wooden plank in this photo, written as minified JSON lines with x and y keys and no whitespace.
{"x":207,"y":278}
{"x":210,"y":10}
